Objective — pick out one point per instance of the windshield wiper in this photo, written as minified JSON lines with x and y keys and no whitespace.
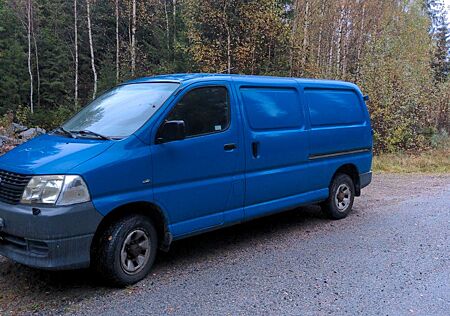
{"x":88,"y":132}
{"x":62,"y":130}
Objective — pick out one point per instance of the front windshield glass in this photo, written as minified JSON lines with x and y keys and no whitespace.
{"x":122,"y":110}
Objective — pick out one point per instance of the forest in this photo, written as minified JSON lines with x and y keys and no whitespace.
{"x":57,"y":55}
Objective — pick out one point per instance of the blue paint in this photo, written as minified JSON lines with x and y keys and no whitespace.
{"x":276,"y":126}
{"x":332,"y":107}
{"x":269,"y":108}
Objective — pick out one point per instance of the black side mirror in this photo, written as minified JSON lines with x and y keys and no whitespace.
{"x":171,"y":131}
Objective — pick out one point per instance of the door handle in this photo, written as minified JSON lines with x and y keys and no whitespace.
{"x":255,"y":149}
{"x":229,"y":147}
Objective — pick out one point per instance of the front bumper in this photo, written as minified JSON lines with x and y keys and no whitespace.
{"x":57,"y":238}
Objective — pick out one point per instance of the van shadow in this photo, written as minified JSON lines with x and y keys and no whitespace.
{"x":24,"y":290}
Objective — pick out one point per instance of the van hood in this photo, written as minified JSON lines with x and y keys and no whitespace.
{"x":52,"y":154}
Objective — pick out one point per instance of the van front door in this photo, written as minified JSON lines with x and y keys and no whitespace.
{"x":199,"y":181}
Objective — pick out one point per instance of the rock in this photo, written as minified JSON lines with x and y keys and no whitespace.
{"x":17,"y":128}
{"x":32,"y":132}
{"x":40,"y":131}
{"x":29,"y":133}
{"x":6,"y":139}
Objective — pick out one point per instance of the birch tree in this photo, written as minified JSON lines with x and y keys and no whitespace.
{"x":75,"y":27}
{"x":91,"y":47}
{"x":166,"y":15}
{"x":117,"y":41}
{"x":30,"y":72}
{"x":305,"y":36}
{"x":36,"y":56}
{"x":133,"y":38}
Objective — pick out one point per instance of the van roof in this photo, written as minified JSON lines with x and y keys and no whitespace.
{"x":197,"y":77}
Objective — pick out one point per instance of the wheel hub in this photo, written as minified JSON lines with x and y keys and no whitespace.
{"x":135,"y":252}
{"x":343,"y":197}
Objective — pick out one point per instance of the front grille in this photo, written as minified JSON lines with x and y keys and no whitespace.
{"x":12,"y":186}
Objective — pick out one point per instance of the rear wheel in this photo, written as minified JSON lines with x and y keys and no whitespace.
{"x":340,"y":200}
{"x":125,"y":251}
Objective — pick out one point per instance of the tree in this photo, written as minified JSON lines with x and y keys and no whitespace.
{"x":133,"y":38}
{"x":117,"y":41}
{"x":75,"y":22}
{"x":29,"y":17}
{"x":91,"y":47}
{"x":440,"y":62}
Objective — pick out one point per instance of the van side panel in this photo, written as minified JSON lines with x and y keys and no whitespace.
{"x":338,"y":123}
{"x":340,"y":131}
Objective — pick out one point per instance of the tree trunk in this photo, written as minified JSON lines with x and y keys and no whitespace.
{"x":166,"y":13}
{"x":292,"y":40}
{"x":133,"y":39}
{"x":117,"y":42}
{"x":91,"y":47}
{"x":38,"y":75}
{"x":361,"y":41}
{"x":75,"y":22}
{"x":339,"y":39}
{"x":174,"y":16}
{"x":330,"y":56}
{"x":305,"y":37}
{"x":346,"y":39}
{"x":227,"y":27}
{"x":29,"y":55}
{"x":319,"y":44}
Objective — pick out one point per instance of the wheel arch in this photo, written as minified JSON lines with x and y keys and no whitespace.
{"x":352,"y":171}
{"x":147,"y":209}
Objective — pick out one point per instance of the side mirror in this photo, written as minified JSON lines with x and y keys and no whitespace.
{"x":171,"y":131}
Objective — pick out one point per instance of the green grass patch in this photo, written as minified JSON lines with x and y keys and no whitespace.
{"x":433,"y":161}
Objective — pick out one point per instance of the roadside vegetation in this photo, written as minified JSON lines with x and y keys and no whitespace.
{"x":432,"y":161}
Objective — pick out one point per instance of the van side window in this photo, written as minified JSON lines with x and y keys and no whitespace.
{"x":203,"y":110}
{"x":272,"y":108}
{"x":330,"y":107}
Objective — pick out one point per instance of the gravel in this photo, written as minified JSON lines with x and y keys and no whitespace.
{"x":391,"y":256}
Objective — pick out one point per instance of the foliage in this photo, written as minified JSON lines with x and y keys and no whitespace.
{"x":397,"y":51}
{"x":433,"y":161}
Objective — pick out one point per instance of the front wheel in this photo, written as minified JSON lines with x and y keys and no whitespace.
{"x":340,"y":200}
{"x":125,"y":251}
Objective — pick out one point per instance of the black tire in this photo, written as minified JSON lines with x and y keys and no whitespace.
{"x":108,"y":247}
{"x":333,"y":207}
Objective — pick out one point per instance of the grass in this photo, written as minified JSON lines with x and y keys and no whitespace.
{"x":433,"y":161}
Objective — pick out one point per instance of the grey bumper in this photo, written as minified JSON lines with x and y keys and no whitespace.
{"x":365,"y":179}
{"x":57,"y":238}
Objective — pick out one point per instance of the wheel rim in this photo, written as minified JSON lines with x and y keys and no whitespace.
{"x":135,"y":252}
{"x":342,"y":197}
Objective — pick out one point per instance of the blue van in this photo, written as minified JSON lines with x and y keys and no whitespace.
{"x":162,"y":158}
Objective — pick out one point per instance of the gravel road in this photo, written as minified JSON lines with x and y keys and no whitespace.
{"x":391,"y":256}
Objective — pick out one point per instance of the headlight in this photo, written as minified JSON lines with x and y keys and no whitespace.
{"x":58,"y":189}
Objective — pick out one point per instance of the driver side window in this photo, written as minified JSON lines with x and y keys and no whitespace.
{"x":204,"y":111}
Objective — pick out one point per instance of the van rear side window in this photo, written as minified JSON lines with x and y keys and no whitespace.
{"x":272,"y":108}
{"x":328,"y":107}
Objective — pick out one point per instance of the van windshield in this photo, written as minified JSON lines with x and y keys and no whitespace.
{"x":121,"y":111}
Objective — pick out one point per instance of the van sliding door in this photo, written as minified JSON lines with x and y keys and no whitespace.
{"x":275,"y":146}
